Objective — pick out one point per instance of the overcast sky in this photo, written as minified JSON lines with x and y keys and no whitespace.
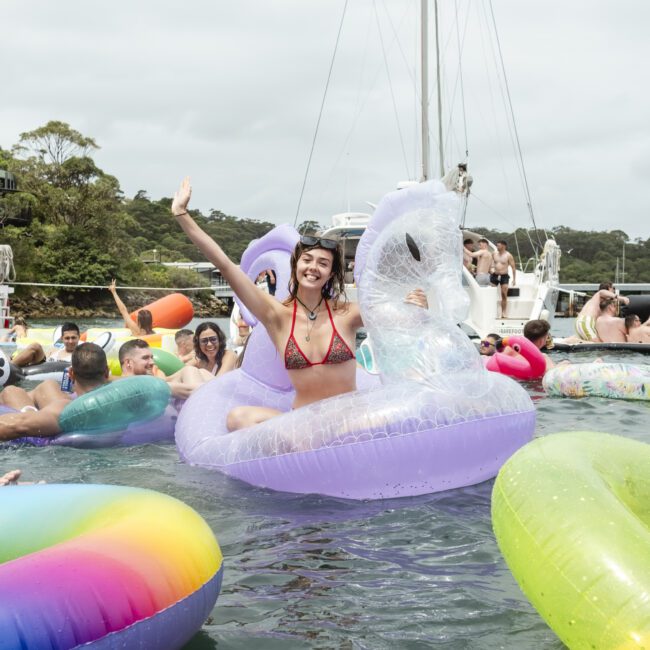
{"x":230,"y":92}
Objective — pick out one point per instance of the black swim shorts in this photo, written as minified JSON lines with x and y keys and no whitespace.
{"x":499,"y":279}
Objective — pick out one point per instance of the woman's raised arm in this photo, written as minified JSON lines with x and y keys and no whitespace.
{"x":124,"y":312}
{"x":261,"y":304}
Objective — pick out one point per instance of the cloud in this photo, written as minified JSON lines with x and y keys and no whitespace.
{"x":230,"y":94}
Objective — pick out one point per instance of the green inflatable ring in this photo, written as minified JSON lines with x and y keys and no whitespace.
{"x":169,"y":363}
{"x":116,"y":405}
{"x":571,"y":514}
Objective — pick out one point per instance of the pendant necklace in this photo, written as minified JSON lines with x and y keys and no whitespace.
{"x":312,"y":312}
{"x":312,"y":315}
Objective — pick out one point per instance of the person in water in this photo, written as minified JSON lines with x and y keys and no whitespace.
{"x":210,"y":350}
{"x":33,"y":354}
{"x":637,"y":332}
{"x":489,"y":345}
{"x":37,"y":412}
{"x":11,"y":478}
{"x":18,"y":331}
{"x":184,"y":340}
{"x":144,"y":326}
{"x":585,"y":324}
{"x":136,"y":359}
{"x":609,"y":325}
{"x":314,"y":329}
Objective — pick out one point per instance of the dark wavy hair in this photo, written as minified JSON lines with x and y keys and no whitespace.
{"x":145,"y":321}
{"x":334,"y":288}
{"x":222,"y":342}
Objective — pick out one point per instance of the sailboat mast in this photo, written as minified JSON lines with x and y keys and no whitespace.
{"x":424,"y":89}
{"x":440,"y":145}
{"x":424,"y":86}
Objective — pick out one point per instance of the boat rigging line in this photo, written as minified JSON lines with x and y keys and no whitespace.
{"x":320,"y":113}
{"x":103,"y":286}
{"x":514,"y":126}
{"x":390,"y":85}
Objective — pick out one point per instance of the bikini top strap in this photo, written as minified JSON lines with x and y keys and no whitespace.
{"x":293,"y":322}
{"x":330,"y":313}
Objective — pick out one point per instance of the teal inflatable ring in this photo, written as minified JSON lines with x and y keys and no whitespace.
{"x":116,"y":405}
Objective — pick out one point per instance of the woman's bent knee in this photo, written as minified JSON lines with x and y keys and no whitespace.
{"x":236,"y":418}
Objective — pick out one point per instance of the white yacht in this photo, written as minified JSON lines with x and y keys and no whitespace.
{"x":537,"y":284}
{"x":534,"y":296}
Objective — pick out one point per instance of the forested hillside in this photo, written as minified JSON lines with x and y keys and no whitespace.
{"x":71,"y":224}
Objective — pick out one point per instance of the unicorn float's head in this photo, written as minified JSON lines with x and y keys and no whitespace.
{"x":414,"y":242}
{"x":270,"y":252}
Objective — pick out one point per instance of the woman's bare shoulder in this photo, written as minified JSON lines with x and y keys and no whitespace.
{"x":344,"y":308}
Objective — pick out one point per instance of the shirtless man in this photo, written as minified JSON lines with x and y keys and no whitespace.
{"x":609,"y":327}
{"x":585,"y":325}
{"x":18,"y":331}
{"x":37,"y":412}
{"x":468,"y":252}
{"x":637,"y":332}
{"x":502,"y":261}
{"x":184,"y":340}
{"x":34,"y":354}
{"x":136,"y":358}
{"x":483,"y":259}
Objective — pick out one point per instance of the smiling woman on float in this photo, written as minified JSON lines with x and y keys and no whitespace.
{"x":210,"y":350}
{"x":314,"y":329}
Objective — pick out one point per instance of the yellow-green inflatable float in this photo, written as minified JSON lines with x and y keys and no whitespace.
{"x":571,"y":514}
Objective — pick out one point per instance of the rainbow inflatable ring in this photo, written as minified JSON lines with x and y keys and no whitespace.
{"x":113,"y":566}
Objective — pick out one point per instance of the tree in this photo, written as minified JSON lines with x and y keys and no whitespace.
{"x":55,"y":143}
{"x":70,"y":188}
{"x":309,"y":226}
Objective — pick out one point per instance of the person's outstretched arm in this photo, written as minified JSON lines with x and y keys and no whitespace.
{"x":261,"y":304}
{"x":32,"y":423}
{"x":128,"y":321}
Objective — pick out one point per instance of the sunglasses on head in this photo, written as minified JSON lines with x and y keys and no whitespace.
{"x":327,"y":244}
{"x":209,"y":339}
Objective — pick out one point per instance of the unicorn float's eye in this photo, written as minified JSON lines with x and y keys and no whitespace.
{"x":413,"y":247}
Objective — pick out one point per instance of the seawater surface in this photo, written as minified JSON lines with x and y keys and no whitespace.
{"x":310,"y":571}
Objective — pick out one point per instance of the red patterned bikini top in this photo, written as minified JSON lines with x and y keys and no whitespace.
{"x":295,"y":358}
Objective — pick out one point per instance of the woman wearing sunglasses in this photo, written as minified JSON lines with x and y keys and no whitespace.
{"x":314,"y":329}
{"x":210,"y":350}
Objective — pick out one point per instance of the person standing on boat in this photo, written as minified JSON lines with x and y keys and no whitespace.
{"x":483,"y":259}
{"x":468,"y":253}
{"x":315,"y":322}
{"x":502,"y":261}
